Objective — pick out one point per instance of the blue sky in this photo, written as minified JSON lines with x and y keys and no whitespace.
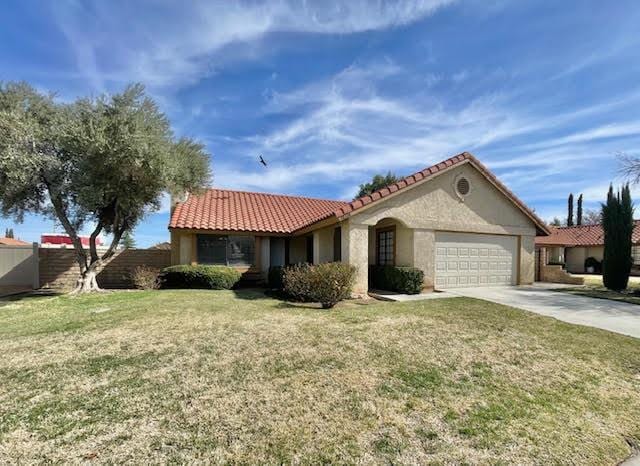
{"x":331,"y":92}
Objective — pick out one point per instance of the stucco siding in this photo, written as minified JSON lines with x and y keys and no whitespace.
{"x":424,"y":245}
{"x":355,"y":240}
{"x":404,"y":242}
{"x":527,"y":260}
{"x":183,"y":247}
{"x":575,"y":257}
{"x":323,"y":246}
{"x":596,"y":252}
{"x":434,"y":205}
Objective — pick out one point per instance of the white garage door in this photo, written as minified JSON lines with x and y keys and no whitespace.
{"x":467,"y":259}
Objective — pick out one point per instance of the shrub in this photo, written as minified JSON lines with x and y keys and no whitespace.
{"x":593,"y":262}
{"x":214,"y":277}
{"x":399,"y":279}
{"x":327,"y":283}
{"x":274,"y":280}
{"x":145,"y":278}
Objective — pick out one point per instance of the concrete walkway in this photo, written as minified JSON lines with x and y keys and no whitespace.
{"x":609,"y":315}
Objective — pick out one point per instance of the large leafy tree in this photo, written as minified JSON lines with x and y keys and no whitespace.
{"x":377,"y":182}
{"x":617,"y":223}
{"x":101,"y":163}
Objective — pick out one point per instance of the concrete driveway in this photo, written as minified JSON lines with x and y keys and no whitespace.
{"x":600,"y":313}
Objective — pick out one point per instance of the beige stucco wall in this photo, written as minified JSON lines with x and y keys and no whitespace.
{"x":323,"y":245}
{"x":404,"y":242}
{"x":181,"y":247}
{"x":555,"y":255}
{"x":434,"y":206}
{"x":355,"y":251}
{"x":527,"y":260}
{"x":575,"y":257}
{"x":424,"y":245}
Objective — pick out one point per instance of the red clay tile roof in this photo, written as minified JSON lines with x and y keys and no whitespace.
{"x":583,"y":235}
{"x":12,"y":242}
{"x":431,"y":171}
{"x":221,"y":209}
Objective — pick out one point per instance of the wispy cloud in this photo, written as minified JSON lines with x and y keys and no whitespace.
{"x":193,"y":43}
{"x":347,"y":129}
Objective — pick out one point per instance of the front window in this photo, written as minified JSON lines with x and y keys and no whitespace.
{"x":635,"y":253}
{"x":385,"y":242}
{"x":230,"y":250}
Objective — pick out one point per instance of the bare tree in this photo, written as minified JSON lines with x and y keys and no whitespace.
{"x":592,"y":217}
{"x":629,"y":167}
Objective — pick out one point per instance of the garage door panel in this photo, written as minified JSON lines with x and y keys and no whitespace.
{"x":467,"y":259}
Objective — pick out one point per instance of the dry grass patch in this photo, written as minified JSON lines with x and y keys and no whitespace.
{"x":188,"y":376}
{"x":594,"y":288}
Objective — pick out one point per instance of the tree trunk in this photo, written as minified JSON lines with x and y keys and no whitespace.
{"x":87,"y":281}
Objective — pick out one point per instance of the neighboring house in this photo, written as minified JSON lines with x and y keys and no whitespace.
{"x":12,"y":242}
{"x":454,"y":220}
{"x":571,"y":246}
{"x":61,"y":241}
{"x":164,"y":246}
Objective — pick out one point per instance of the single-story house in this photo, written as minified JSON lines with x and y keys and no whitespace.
{"x":571,"y":246}
{"x":4,"y":241}
{"x":454,"y":220}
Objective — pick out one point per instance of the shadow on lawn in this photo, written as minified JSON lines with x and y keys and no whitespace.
{"x":250,"y":293}
{"x":27,"y":295}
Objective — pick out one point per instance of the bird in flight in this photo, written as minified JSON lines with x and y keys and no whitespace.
{"x":262,"y":161}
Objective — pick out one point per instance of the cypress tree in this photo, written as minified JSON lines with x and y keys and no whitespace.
{"x":570,"y":211}
{"x":579,"y":213}
{"x":617,"y":223}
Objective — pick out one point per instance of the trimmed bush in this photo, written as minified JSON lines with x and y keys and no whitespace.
{"x":407,"y":280}
{"x":145,"y":278}
{"x":274,"y":280}
{"x":593,"y":262}
{"x":327,"y":283}
{"x":213,"y":277}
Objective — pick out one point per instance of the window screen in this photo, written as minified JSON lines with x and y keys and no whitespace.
{"x":635,"y":253}
{"x":212,"y":249}
{"x":240,"y":250}
{"x":386,"y":239}
{"x":226,"y":250}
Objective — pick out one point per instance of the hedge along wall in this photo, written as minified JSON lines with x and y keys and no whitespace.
{"x":59,"y":269}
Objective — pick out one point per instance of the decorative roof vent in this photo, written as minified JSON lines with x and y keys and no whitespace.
{"x":463,"y":187}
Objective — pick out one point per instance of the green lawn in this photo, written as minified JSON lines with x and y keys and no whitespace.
{"x":202,"y":376}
